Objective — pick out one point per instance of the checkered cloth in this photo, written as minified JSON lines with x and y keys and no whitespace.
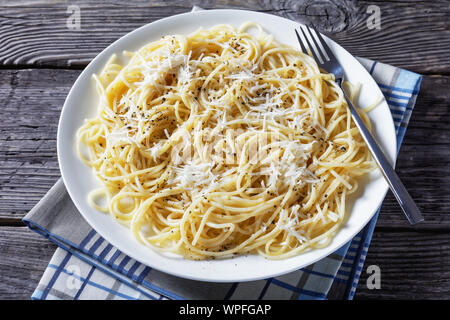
{"x":86,"y":266}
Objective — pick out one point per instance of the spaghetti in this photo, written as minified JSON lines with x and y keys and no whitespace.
{"x":223,"y":142}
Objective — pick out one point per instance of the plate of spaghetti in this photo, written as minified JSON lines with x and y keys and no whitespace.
{"x":207,"y":146}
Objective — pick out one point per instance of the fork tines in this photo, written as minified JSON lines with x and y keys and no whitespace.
{"x":319,"y":50}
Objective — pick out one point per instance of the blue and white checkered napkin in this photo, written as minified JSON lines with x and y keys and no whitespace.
{"x":85,"y":266}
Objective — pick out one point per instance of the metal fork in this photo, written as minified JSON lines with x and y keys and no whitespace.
{"x":328,"y":62}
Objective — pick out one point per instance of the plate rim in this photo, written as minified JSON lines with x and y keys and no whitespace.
{"x":118,"y":245}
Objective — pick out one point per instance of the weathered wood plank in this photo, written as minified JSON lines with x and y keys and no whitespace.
{"x":414,"y":265}
{"x":29,"y":167}
{"x":413,"y":34}
{"x":30,"y":108}
{"x":24,"y":257}
{"x":407,"y":271}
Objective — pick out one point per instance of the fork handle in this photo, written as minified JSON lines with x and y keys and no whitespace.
{"x":407,"y":204}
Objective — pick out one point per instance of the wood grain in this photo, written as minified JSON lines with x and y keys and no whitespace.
{"x":31,"y":102}
{"x":24,"y":257}
{"x":29,"y":167}
{"x":414,"y":265}
{"x":412,"y":32}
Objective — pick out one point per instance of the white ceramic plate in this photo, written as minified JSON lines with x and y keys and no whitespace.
{"x":81,"y":103}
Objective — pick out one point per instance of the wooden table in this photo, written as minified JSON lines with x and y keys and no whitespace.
{"x":40,"y":58}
